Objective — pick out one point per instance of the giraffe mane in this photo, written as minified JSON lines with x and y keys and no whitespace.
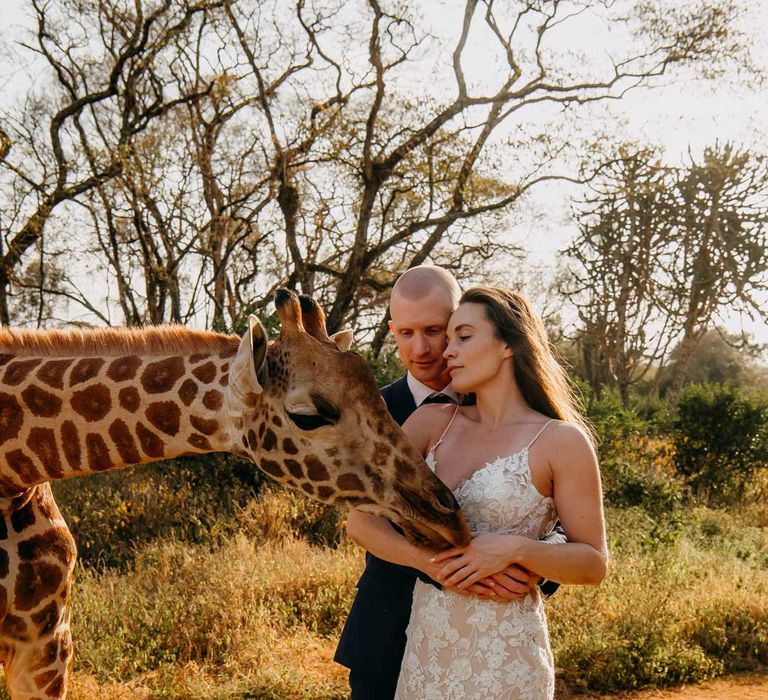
{"x":155,"y":340}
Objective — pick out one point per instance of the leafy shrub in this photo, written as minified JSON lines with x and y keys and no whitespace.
{"x":278,"y":512}
{"x":721,"y":440}
{"x":190,"y":499}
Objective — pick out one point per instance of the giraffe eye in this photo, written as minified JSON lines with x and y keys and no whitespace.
{"x":305,"y":422}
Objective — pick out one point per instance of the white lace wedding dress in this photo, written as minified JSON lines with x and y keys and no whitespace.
{"x":463,"y":648}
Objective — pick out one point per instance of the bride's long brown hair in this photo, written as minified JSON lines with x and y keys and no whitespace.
{"x":543,"y":382}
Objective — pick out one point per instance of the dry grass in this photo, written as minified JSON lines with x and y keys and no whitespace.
{"x":257,"y":615}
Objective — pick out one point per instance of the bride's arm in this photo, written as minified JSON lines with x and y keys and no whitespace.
{"x":578,"y":499}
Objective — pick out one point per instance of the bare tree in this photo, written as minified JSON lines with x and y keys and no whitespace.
{"x":660,"y":251}
{"x":76,"y":137}
{"x":720,"y":256}
{"x":626,"y":224}
{"x":305,"y":153}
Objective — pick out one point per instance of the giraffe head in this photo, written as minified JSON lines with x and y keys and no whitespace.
{"x":307,"y":411}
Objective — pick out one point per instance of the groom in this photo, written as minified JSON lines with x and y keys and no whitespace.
{"x":373,"y":640}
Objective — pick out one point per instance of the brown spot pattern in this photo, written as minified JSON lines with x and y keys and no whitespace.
{"x":48,"y":656}
{"x":129,"y":398}
{"x":47,"y":619}
{"x":15,"y":627}
{"x":194,"y":359}
{"x":42,"y":403}
{"x":92,"y":403}
{"x":325,"y":493}
{"x":3,"y":574}
{"x":161,"y":376}
{"x":231,"y":352}
{"x":289,"y":447}
{"x":272,"y":468}
{"x":316,"y":470}
{"x":376,"y":481}
{"x":123,"y":440}
{"x":4,"y":359}
{"x":36,"y":581}
{"x":350,"y":482}
{"x":44,"y":678}
{"x":309,"y":489}
{"x":150,"y":443}
{"x":11,"y":417}
{"x":42,"y":441}
{"x":85,"y":369}
{"x":22,"y":518}
{"x":200,"y":442}
{"x":98,"y":452}
{"x":52,"y":373}
{"x":165,"y":416}
{"x":123,"y":368}
{"x":22,"y":465}
{"x":56,"y":689}
{"x":224,"y":381}
{"x":17,"y":371}
{"x":55,"y":543}
{"x":205,"y":373}
{"x":277,"y":421}
{"x":207,"y":426}
{"x":188,"y":391}
{"x":70,"y":441}
{"x":405,"y":470}
{"x":213,"y":400}
{"x":270,"y":440}
{"x":295,"y":468}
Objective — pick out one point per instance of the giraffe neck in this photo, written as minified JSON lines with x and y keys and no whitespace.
{"x":67,"y":416}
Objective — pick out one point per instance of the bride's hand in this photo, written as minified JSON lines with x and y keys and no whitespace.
{"x":486,"y":555}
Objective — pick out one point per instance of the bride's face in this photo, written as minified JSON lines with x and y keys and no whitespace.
{"x":475,"y":356}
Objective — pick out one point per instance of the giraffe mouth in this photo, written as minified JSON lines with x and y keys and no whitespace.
{"x":436,"y":522}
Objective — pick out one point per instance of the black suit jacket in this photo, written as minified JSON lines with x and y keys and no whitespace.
{"x":373,"y":639}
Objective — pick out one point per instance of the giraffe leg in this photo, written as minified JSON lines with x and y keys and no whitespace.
{"x":40,"y":672}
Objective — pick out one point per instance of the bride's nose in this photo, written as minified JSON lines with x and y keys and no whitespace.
{"x":449,"y":352}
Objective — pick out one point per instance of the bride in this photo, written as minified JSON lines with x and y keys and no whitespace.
{"x":518,"y":461}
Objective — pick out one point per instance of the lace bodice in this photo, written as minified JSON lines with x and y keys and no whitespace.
{"x":462,"y":647}
{"x":501,"y":497}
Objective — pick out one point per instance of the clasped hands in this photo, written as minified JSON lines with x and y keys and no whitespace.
{"x":485,"y":568}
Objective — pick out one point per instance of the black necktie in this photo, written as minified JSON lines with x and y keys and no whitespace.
{"x":438,"y":398}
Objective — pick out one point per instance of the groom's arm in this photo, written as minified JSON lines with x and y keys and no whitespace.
{"x":555,"y":536}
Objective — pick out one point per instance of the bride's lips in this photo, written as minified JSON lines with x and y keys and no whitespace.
{"x":451,"y":370}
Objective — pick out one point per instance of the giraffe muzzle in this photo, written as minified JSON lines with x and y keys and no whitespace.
{"x":433,"y":519}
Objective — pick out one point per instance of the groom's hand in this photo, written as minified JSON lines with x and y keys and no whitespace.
{"x":513,"y":583}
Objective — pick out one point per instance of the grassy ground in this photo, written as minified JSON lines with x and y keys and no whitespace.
{"x":257,"y":615}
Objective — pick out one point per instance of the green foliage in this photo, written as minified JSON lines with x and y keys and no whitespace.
{"x":190,"y":499}
{"x":386,"y":366}
{"x":721,"y":440}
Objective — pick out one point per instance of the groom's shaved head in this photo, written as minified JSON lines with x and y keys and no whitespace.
{"x":419,"y":282}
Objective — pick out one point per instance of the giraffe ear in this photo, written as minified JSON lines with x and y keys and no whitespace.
{"x":248,"y":365}
{"x":343,"y":339}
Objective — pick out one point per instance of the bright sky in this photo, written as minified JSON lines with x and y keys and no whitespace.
{"x":687,"y":114}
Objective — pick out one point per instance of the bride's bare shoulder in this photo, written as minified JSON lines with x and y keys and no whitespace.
{"x":562,"y":435}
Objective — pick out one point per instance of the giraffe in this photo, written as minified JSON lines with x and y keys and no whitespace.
{"x":301,"y":407}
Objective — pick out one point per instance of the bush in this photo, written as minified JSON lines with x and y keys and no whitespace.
{"x":721,"y":440}
{"x":190,"y":499}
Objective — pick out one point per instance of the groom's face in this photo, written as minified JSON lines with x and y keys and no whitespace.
{"x":419,"y":326}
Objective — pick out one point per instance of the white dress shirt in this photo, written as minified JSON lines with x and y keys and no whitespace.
{"x":420,"y":391}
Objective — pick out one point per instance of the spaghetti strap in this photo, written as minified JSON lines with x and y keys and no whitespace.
{"x":450,"y":423}
{"x":528,"y":446}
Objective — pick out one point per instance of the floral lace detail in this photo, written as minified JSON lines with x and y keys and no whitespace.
{"x":460,"y":647}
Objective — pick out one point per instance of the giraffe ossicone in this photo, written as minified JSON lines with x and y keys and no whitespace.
{"x":301,"y":407}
